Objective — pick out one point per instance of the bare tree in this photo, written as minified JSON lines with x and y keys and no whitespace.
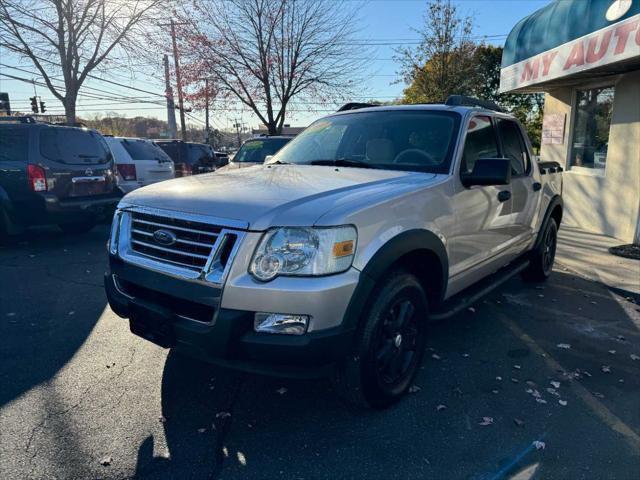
{"x":443,"y":62}
{"x":270,"y":54}
{"x":67,"y":39}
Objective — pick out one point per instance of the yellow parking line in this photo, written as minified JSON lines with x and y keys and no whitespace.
{"x":610,"y":419}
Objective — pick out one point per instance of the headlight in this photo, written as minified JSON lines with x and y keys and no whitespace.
{"x":300,"y":251}
{"x":115,"y":233}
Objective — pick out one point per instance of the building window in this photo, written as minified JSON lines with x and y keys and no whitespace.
{"x":592,"y":120}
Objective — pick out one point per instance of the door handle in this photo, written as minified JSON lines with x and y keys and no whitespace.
{"x":504,"y":195}
{"x":536,"y":186}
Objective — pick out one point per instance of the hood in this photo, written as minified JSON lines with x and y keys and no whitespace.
{"x":270,"y":195}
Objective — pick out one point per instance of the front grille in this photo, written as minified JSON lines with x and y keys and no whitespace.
{"x":193,"y":245}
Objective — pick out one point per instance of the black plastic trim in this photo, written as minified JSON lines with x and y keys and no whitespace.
{"x":399,"y":246}
{"x":555,"y":201}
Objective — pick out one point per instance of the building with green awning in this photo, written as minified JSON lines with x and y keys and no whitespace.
{"x":585,"y":56}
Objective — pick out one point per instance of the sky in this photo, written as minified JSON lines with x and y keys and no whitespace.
{"x":388,"y":23}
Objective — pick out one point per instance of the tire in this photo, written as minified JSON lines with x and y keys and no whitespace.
{"x":77,"y":228}
{"x":389,"y":345}
{"x":541,"y":259}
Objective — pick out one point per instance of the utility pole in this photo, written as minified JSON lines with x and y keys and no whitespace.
{"x":176,"y":61}
{"x":206,"y":111}
{"x":237,"y":124}
{"x":171,"y":108}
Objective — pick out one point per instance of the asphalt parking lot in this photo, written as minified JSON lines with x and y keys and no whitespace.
{"x":81,"y":397}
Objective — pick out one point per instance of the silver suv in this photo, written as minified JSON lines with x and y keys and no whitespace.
{"x":331,"y":259}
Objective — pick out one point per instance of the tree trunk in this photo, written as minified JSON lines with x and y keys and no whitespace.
{"x":273,"y":128}
{"x":70,"y":108}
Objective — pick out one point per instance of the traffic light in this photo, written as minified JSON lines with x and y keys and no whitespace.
{"x":34,"y":104}
{"x":42,"y":107}
{"x":5,"y":106}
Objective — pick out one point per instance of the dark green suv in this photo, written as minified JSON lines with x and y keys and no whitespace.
{"x":53,"y":175}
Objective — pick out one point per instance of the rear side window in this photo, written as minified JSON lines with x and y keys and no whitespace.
{"x":144,"y":150}
{"x":14,"y":144}
{"x":480,"y":143}
{"x":200,"y":153}
{"x":513,"y":147}
{"x":73,"y":146}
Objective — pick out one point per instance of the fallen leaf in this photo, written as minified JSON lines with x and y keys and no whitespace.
{"x":517,"y":367}
{"x":634,"y":356}
{"x":499,"y":378}
{"x":281,"y":390}
{"x":515,"y":380}
{"x":72,"y":313}
{"x":541,"y":400}
{"x":518,"y":422}
{"x":441,"y":407}
{"x":202,"y":430}
{"x":162,"y":420}
{"x":471,"y":309}
{"x":465,"y":355}
{"x":486,"y":421}
{"x":606,"y":369}
{"x":414,"y":389}
{"x":223,"y":414}
{"x":435,"y":356}
{"x":106,"y":461}
{"x":495,"y":392}
{"x":539,"y":445}
{"x":553,"y":391}
{"x":587,"y":374}
{"x":598,"y":394}
{"x":565,"y":346}
{"x":555,"y":384}
{"x":11,"y":314}
{"x":612,"y":352}
{"x":457,"y":390}
{"x":562,"y":402}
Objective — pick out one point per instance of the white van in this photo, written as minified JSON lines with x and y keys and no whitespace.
{"x":139,"y":162}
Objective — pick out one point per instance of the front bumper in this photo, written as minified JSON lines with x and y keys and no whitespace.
{"x":185,"y":315}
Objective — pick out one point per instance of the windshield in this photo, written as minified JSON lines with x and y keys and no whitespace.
{"x":255,"y":151}
{"x":74,"y":146}
{"x":420,"y":140}
{"x":144,"y":150}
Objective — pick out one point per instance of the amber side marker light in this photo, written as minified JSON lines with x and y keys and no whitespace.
{"x":342,"y":249}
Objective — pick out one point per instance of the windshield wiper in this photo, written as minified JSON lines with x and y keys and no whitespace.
{"x":343,"y":162}
{"x":278,"y":162}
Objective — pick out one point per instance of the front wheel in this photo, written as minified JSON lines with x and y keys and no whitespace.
{"x":542,"y":258}
{"x":389,"y":347}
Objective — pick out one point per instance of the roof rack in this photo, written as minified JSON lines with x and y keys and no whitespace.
{"x":459,"y":100}
{"x":20,"y":119}
{"x":355,"y":106}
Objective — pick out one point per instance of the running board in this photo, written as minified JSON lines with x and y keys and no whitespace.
{"x":471,"y":295}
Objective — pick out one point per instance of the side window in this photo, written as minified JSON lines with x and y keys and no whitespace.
{"x":513,"y":147}
{"x":479,"y":143}
{"x":14,"y":144}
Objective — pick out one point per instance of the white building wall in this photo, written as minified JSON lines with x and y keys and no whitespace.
{"x":606,"y":203}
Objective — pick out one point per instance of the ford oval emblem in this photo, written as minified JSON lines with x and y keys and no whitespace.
{"x":165,"y":237}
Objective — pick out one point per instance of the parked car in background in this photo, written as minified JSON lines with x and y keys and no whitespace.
{"x":255,"y":150}
{"x":139,"y":162}
{"x":333,"y":257}
{"x":53,"y":175}
{"x":191,"y":158}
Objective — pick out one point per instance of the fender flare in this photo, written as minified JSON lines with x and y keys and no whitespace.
{"x":400,"y":245}
{"x":555,"y":201}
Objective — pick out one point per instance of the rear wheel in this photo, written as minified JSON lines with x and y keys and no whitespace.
{"x":389,"y":347}
{"x":542,"y":258}
{"x":77,"y":228}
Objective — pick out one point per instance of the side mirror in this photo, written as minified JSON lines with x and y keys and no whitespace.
{"x":489,"y":171}
{"x":268,"y":158}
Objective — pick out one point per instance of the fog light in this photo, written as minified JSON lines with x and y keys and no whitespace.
{"x":281,"y":323}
